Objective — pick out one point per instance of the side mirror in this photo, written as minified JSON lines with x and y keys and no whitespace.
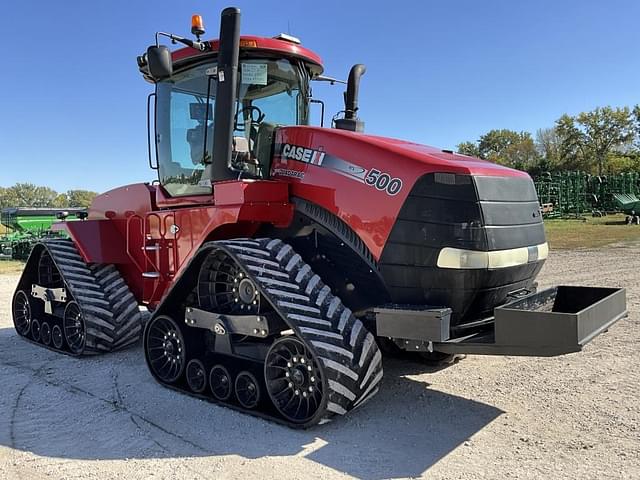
{"x":160,"y":63}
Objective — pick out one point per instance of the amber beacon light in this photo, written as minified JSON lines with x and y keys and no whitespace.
{"x":197,"y":25}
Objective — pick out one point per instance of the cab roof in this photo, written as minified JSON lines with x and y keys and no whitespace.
{"x":259,"y":44}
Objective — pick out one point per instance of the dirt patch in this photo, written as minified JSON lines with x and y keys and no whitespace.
{"x":575,"y":416}
{"x":10,"y":266}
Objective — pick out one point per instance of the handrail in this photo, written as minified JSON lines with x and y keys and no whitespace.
{"x":128,"y":236}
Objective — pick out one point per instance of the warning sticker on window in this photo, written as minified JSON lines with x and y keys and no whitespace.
{"x":254,"y":73}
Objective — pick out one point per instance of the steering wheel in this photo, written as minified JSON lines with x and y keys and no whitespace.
{"x":252,"y":112}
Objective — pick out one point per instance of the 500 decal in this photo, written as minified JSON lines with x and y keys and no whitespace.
{"x":383,"y":181}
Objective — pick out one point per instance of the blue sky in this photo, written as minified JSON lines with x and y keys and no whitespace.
{"x":73,"y":107}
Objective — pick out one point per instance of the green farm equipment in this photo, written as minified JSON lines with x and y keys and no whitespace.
{"x":27,"y":225}
{"x":565,"y":192}
{"x":571,"y":194}
{"x":627,"y":202}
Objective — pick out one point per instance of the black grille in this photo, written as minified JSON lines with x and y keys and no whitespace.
{"x":461,"y":211}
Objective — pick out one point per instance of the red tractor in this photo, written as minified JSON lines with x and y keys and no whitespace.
{"x":278,"y":258}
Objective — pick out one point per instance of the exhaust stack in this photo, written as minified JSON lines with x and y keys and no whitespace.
{"x":351,"y":120}
{"x":226,"y":93}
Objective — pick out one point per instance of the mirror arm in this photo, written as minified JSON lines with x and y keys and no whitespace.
{"x":331,"y":80}
{"x":201,"y":46}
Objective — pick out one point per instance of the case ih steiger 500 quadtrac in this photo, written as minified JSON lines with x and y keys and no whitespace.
{"x":277,"y":257}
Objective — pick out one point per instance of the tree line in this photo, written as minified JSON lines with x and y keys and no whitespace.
{"x":604,"y":140}
{"x":30,"y":195}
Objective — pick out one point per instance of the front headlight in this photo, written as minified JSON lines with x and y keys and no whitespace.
{"x":473,"y":259}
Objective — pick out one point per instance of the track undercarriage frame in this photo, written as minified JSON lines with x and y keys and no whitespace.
{"x":279,"y":333}
{"x":81,"y":308}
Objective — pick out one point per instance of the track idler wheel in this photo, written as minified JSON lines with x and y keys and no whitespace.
{"x":196,"y":376}
{"x":22,"y":315}
{"x":165,"y":349}
{"x":56,"y":337}
{"x":45,"y":333}
{"x":74,"y":328}
{"x":247,"y":390}
{"x":294,"y":380}
{"x":220,"y":383}
{"x":35,"y":330}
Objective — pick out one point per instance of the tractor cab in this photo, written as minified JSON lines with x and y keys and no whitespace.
{"x":201,"y":102}
{"x":270,"y":92}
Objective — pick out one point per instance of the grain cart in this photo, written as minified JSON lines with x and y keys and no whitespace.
{"x":28,"y":224}
{"x":276,"y":256}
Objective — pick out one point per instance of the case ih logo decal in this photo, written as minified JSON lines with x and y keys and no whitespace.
{"x":305,"y":155}
{"x":375,"y":178}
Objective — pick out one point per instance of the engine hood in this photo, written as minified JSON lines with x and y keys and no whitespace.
{"x":337,"y":141}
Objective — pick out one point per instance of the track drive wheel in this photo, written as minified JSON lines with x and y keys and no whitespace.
{"x":294,"y":380}
{"x":165,"y":349}
{"x":224,"y":288}
{"x":74,"y":328}
{"x":247,"y":390}
{"x":22,"y":315}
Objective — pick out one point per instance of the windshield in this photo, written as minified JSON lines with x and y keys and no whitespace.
{"x":270,"y":93}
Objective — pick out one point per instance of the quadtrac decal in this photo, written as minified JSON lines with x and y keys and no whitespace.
{"x":286,"y":172}
{"x":374,"y":178}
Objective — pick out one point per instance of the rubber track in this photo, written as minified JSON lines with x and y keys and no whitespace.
{"x":112,"y":317}
{"x":347,"y":350}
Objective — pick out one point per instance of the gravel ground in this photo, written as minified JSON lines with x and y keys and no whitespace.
{"x":575,"y":416}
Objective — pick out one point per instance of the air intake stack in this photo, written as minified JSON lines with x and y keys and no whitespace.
{"x":351,"y":120}
{"x":226,"y":92}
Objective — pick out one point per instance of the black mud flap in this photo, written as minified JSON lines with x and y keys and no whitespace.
{"x":552,"y":322}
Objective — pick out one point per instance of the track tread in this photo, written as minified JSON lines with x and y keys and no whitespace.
{"x":111,"y":313}
{"x":348,"y":351}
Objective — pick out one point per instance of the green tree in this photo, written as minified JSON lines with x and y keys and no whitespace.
{"x":30,"y":195}
{"x":7,"y":198}
{"x":620,"y":163}
{"x":589,"y":138}
{"x":509,"y":148}
{"x":636,"y":118}
{"x":573,"y":154}
{"x":80,"y":198}
{"x":548,"y":148}
{"x":468,"y":148}
{"x":61,"y":201}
